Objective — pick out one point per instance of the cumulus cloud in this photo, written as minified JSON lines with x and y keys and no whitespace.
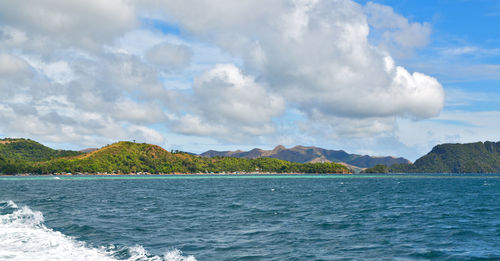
{"x":228,"y":104}
{"x":317,"y":54}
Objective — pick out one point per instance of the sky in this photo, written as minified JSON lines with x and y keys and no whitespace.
{"x":382,"y":77}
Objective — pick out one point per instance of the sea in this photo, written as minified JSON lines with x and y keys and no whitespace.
{"x":250,"y":217}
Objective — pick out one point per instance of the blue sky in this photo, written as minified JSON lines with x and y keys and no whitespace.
{"x":368,"y":77}
{"x":464,"y":34}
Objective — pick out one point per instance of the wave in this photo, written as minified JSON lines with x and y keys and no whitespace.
{"x":24,"y":236}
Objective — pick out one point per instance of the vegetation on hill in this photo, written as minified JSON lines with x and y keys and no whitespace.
{"x":17,"y":155}
{"x":29,"y":150}
{"x":476,"y":157}
{"x":129,"y":157}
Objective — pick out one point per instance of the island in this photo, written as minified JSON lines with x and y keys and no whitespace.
{"x":478,"y":157}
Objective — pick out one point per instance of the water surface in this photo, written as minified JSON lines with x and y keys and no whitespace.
{"x":264,"y":217}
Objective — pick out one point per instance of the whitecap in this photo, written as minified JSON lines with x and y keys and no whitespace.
{"x":7,"y":204}
{"x":24,"y":236}
{"x":176,"y":255}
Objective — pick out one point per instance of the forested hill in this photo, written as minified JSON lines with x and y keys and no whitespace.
{"x":304,"y":154}
{"x":130,"y":157}
{"x":29,"y":150}
{"x":476,"y":157}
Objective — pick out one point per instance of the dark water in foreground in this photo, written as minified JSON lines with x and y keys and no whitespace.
{"x":234,"y":218}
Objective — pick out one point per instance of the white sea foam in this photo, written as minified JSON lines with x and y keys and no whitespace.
{"x":23,"y":236}
{"x":176,"y":255}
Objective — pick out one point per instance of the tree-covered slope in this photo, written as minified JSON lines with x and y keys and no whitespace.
{"x":29,"y":150}
{"x":476,"y":157}
{"x":129,"y":157}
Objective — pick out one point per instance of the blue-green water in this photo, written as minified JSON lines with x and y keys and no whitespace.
{"x":420,"y":217}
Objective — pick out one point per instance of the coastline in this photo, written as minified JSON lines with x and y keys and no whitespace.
{"x":255,"y":175}
{"x":165,"y":174}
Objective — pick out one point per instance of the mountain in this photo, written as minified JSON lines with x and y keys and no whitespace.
{"x":130,"y":157}
{"x":304,"y":154}
{"x":29,"y":150}
{"x":478,"y":157}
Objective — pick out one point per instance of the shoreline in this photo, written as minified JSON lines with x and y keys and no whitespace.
{"x":248,"y":174}
{"x":166,"y":174}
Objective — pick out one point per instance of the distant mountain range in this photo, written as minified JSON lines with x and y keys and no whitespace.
{"x":304,"y":154}
{"x":478,"y":157}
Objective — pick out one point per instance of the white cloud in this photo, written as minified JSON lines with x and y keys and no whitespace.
{"x":460,"y":50}
{"x":10,"y":37}
{"x":77,"y":23}
{"x":394,"y":32}
{"x":225,"y":101}
{"x":59,"y":71}
{"x":168,"y":56}
{"x":137,"y":42}
{"x":342,"y":127}
{"x":144,"y":134}
{"x":317,"y":54}
{"x":144,"y":113}
{"x":12,"y":66}
{"x":470,"y":50}
{"x":224,"y":93}
{"x":104,"y":100}
{"x":204,"y":17}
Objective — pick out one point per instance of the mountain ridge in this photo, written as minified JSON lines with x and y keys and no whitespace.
{"x":305,"y":154}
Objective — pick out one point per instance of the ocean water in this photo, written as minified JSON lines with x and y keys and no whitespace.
{"x":421,"y":217}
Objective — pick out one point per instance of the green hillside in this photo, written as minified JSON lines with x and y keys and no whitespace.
{"x":129,"y":157}
{"x":29,"y":150}
{"x":476,"y":157}
{"x":19,"y":155}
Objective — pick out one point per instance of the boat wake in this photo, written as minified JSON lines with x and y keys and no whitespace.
{"x":23,"y":236}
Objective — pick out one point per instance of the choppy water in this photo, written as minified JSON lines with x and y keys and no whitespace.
{"x":250,"y":218}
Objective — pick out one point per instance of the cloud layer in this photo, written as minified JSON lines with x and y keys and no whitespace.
{"x":317,"y":54}
{"x":83,"y":76}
